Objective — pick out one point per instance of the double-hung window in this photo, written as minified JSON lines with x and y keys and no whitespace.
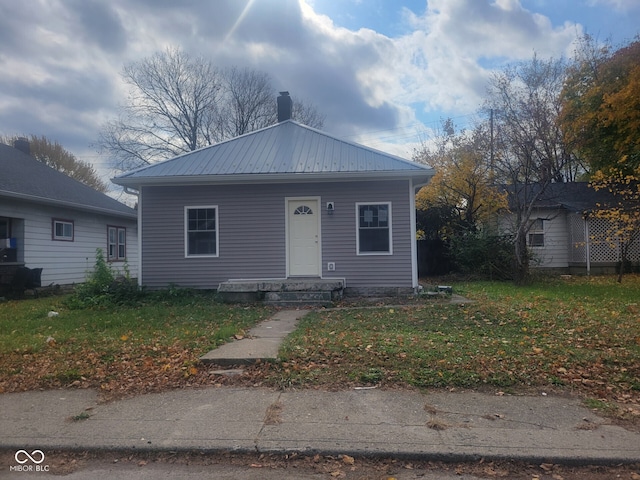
{"x":116,"y":243}
{"x":201,"y":231}
{"x":62,"y":230}
{"x":374,"y":228}
{"x":536,"y":233}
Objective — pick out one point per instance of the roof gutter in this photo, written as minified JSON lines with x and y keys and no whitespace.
{"x":136,"y":182}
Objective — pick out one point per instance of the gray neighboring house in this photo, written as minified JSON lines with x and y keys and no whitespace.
{"x":566,"y":237}
{"x":283,"y":203}
{"x":49,"y":220}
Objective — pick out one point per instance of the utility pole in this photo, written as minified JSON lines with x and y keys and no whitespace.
{"x":491,"y":144}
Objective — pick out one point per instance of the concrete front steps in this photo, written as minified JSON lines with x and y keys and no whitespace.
{"x":290,"y":292}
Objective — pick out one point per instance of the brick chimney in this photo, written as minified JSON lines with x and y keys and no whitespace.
{"x":22,"y":144}
{"x":285,"y":107}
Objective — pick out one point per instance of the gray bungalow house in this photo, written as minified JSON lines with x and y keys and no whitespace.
{"x":54,"y":224}
{"x":286,"y":205}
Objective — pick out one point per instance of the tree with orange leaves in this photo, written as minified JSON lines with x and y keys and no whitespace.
{"x":600,"y":118}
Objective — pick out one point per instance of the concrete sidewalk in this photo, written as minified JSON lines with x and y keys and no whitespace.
{"x":435,"y":426}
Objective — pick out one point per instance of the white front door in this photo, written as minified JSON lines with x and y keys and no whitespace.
{"x":304,"y":237}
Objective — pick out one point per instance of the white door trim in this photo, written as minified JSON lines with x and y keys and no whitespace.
{"x":317,"y":203}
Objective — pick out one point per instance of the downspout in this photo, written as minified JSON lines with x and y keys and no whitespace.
{"x":136,"y":193}
{"x":414,"y":246}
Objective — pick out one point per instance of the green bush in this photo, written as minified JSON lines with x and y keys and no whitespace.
{"x":483,"y":255}
{"x":104,"y":287}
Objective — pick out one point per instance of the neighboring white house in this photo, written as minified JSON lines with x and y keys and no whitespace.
{"x":49,"y":220}
{"x":564,"y":236}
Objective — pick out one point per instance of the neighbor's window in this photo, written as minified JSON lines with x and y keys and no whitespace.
{"x":536,"y":233}
{"x":62,"y":230}
{"x":201,"y":231}
{"x":374,"y":228}
{"x":117,"y":243}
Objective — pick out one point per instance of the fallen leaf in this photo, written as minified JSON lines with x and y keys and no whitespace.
{"x":346,"y":459}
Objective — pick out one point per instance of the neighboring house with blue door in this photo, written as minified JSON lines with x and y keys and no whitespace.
{"x":49,"y":220}
{"x":286,"y":202}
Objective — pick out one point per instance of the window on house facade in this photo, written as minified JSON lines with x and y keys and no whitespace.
{"x":536,"y":233}
{"x":201,"y":231}
{"x":62,"y":230}
{"x":303,"y":210}
{"x":373,"y":228}
{"x":117,"y":244}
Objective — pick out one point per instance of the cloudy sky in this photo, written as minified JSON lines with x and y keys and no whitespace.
{"x":383,"y":72}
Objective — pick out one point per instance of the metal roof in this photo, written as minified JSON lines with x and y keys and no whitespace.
{"x":277,"y":152}
{"x":24,"y":177}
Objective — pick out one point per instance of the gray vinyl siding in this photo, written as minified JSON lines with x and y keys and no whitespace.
{"x":252,"y":236}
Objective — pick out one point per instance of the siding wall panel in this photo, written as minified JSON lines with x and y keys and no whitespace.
{"x":252,"y":242}
{"x":64,"y":262}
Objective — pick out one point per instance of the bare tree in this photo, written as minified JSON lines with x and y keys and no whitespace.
{"x":249,"y":102}
{"x":172,"y":109}
{"x":529,"y":148}
{"x":54,"y":155}
{"x":307,"y":113}
{"x":178,"y":104}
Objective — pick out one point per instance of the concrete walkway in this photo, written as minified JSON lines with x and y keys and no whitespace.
{"x":260,"y":343}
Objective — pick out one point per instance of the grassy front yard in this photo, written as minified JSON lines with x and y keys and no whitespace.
{"x":581,"y":335}
{"x":117,"y":349}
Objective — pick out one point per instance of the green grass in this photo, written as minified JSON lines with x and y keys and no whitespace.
{"x":161,"y":335}
{"x":582,"y":334}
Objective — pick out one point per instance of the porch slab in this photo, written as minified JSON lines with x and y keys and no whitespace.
{"x":283,"y":285}
{"x":283,"y":292}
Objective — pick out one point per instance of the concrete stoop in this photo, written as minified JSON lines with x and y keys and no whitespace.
{"x":290,"y":292}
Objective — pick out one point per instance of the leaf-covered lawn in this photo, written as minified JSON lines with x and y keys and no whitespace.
{"x":582,"y":334}
{"x":119,"y":350}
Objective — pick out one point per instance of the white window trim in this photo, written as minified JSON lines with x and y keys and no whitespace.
{"x":186,"y":231}
{"x":62,"y":238}
{"x":116,"y":257}
{"x":537,"y":231}
{"x":358,"y":252}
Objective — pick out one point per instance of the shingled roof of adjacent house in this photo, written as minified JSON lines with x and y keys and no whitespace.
{"x":571,"y":196}
{"x":23,"y":177}
{"x":280,"y":152}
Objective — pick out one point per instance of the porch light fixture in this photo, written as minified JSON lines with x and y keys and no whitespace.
{"x":330,"y":208}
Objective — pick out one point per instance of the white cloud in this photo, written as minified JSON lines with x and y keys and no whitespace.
{"x":65,"y":66}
